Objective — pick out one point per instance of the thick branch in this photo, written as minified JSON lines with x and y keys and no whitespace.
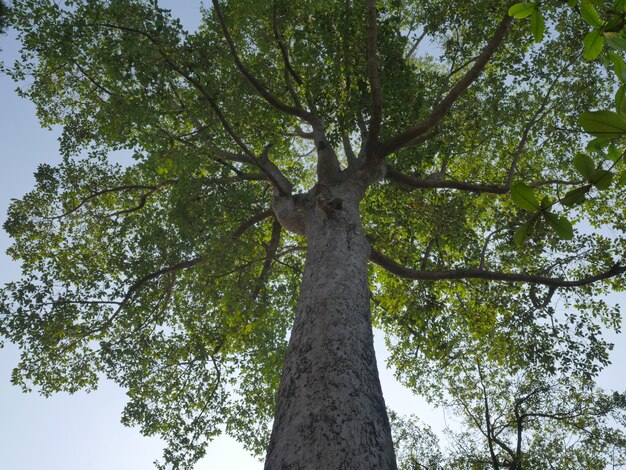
{"x":258,"y":86}
{"x":272,"y":173}
{"x":490,"y":433}
{"x":96,"y":83}
{"x":442,"y":108}
{"x":220,"y":155}
{"x":151,"y":189}
{"x":374,"y":78}
{"x":171,"y":269}
{"x":425,"y":183}
{"x":235,"y":179}
{"x":462,"y":273}
{"x":282,"y":185}
{"x":413,"y":182}
{"x":415,"y":45}
{"x":255,"y":219}
{"x":289,"y":71}
{"x":328,"y":168}
{"x":283,"y":49}
{"x":230,"y":156}
{"x":303,"y":134}
{"x":142,"y":282}
{"x":348,"y":150}
{"x":270,"y":251}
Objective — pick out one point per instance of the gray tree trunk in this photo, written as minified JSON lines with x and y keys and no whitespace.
{"x":330,"y":408}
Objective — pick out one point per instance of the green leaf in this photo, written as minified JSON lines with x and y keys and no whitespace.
{"x":524,"y":196}
{"x":546,"y":202}
{"x":593,"y":43}
{"x":575,"y":196}
{"x":523,"y":232}
{"x":620,"y":102}
{"x":603,"y":123}
{"x":560,"y":224}
{"x":572,"y":3}
{"x":597,"y":144}
{"x":537,"y":25}
{"x":613,"y":154}
{"x":522,"y":10}
{"x":619,"y":6}
{"x":615,"y":41}
{"x":613,"y":24}
{"x":622,"y":178}
{"x":590,"y":15}
{"x":602,"y":179}
{"x":584,"y":165}
{"x":619,"y":66}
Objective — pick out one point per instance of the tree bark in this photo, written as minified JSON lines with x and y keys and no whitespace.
{"x":330,"y":408}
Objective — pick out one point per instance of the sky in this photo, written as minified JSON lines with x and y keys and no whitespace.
{"x":83,"y":431}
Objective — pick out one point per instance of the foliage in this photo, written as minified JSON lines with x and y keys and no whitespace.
{"x":169,"y":272}
{"x":417,"y":446}
{"x":520,"y":421}
{"x":3,"y":16}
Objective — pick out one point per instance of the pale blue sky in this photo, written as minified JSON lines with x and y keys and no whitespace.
{"x":83,"y":431}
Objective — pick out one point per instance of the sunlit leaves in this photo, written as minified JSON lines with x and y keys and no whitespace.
{"x":590,"y":14}
{"x":537,"y":25}
{"x":537,"y":22}
{"x":593,"y":44}
{"x":522,"y":9}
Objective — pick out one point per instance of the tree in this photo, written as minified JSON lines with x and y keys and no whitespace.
{"x":523,"y":388}
{"x":417,"y":446}
{"x":521,"y":422}
{"x":285,"y":145}
{"x":3,"y":17}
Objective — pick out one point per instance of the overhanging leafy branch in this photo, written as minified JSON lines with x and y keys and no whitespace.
{"x":462,"y":273}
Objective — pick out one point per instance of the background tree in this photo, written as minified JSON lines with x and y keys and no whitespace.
{"x":523,"y":390}
{"x":520,"y":422}
{"x":3,"y":17}
{"x":417,"y":446}
{"x":283,"y":128}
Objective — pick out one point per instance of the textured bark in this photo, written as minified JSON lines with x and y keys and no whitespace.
{"x":330,"y":409}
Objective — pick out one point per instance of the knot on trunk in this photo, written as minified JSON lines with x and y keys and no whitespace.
{"x":291,"y":211}
{"x":326,"y":201}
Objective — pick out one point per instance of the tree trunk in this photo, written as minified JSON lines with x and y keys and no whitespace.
{"x":330,"y":409}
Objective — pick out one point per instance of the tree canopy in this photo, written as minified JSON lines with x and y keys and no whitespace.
{"x":3,"y":17}
{"x":492,"y":171}
{"x":527,"y":419}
